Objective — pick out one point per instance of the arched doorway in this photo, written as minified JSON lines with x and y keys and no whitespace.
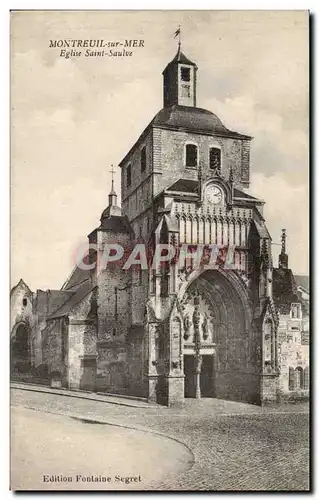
{"x":20,"y":347}
{"x":218,"y":338}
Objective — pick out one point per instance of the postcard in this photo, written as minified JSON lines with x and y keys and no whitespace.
{"x":159,"y":328}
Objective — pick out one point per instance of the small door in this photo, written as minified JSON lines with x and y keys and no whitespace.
{"x":207,"y":377}
{"x":88,"y":377}
{"x":189,"y":371}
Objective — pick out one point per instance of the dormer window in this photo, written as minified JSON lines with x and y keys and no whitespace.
{"x":143,"y":159}
{"x":185,"y":74}
{"x":129,"y":175}
{"x":191,"y":155}
{"x":215,"y":159}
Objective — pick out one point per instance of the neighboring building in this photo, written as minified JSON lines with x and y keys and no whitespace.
{"x":171,"y":333}
{"x":292,"y":302}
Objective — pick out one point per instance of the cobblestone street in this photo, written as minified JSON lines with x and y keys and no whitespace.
{"x":235,"y":446}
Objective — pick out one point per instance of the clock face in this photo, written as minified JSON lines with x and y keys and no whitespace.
{"x":214,"y":194}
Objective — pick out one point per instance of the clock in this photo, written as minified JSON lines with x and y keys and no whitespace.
{"x":214,"y":194}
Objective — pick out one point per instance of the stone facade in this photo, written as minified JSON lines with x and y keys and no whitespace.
{"x":178,"y":330}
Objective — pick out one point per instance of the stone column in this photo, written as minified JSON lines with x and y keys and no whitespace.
{"x":198,"y":369}
{"x":197,"y":341}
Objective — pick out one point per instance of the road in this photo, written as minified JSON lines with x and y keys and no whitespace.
{"x":235,"y":446}
{"x":59,"y":452}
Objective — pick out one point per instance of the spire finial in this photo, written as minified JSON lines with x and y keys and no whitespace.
{"x":283,"y":241}
{"x":283,"y":257}
{"x":112,"y":173}
{"x":178,"y":33}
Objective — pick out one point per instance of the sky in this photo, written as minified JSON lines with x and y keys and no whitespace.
{"x":72,"y":118}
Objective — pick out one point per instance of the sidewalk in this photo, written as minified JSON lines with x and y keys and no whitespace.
{"x":205,"y":406}
{"x":104,"y":398}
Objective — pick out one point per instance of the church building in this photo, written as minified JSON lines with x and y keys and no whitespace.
{"x":172,"y":332}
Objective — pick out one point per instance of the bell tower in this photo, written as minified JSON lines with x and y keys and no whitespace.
{"x":179,"y":81}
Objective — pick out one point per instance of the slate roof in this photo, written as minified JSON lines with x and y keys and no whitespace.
{"x":116,"y":224}
{"x":261,"y":230}
{"x":303,"y":281}
{"x":77,"y":277}
{"x":184,"y":186}
{"x":73,"y":300}
{"x":56,"y":298}
{"x":191,"y":186}
{"x":180,"y":58}
{"x":192,"y":119}
{"x":23,"y":284}
{"x":284,"y":289}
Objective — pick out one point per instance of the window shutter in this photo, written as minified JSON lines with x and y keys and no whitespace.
{"x":291,"y":379}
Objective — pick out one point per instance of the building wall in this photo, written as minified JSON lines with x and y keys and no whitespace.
{"x":18,"y":311}
{"x":169,"y":157}
{"x":293,"y":354}
{"x":137,"y":197}
{"x":21,"y":313}
{"x":82,"y":338}
{"x":113,"y":291}
{"x":112,"y":367}
{"x":114,"y":317}
{"x":52,"y":345}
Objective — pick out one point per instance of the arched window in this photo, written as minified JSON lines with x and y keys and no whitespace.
{"x":215,"y":160}
{"x":129,"y":175}
{"x":25,"y":302}
{"x":268,"y":334}
{"x":299,"y":378}
{"x":291,"y":379}
{"x":191,"y":155}
{"x":143,"y":159}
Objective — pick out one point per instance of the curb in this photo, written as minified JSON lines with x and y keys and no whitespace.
{"x":105,"y":421}
{"x":84,"y":395}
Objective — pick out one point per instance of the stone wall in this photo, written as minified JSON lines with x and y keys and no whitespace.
{"x":137,"y":196}
{"x":113,"y":292}
{"x":135,"y":361}
{"x":81,"y":343}
{"x":52,"y":345}
{"x":238,"y":386}
{"x":21,"y":312}
{"x":169,"y":157}
{"x":111,"y":367}
{"x":269,"y":388}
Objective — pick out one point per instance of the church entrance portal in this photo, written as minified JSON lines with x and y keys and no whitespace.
{"x":20,"y":351}
{"x":218,"y":340}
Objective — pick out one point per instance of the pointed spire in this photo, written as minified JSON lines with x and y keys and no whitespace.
{"x":112,"y":192}
{"x":283,"y":256}
{"x":112,"y":208}
{"x":283,"y":241}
